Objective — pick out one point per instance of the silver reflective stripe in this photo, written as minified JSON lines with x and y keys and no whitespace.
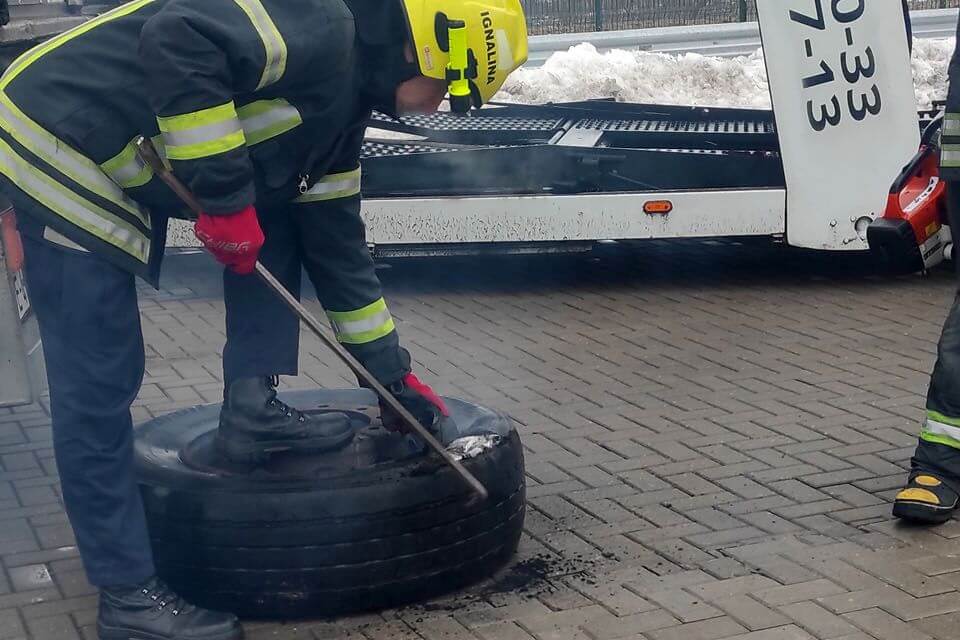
{"x":127,"y":168}
{"x":72,"y":207}
{"x":266,"y":119}
{"x":58,"y":238}
{"x":942,"y":429}
{"x":202,"y":134}
{"x":344,"y":184}
{"x":64,"y":159}
{"x":331,"y":187}
{"x":353,"y":327}
{"x":273,"y":44}
{"x":130,"y":171}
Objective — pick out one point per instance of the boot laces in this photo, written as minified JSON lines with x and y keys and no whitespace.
{"x":164,"y":596}
{"x":277,"y":403}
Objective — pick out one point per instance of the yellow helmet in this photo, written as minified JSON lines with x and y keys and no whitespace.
{"x":472,"y":44}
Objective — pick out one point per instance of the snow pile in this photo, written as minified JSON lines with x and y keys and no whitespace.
{"x":930,"y":61}
{"x":582,"y":73}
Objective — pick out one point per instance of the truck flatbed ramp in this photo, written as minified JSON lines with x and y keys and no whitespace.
{"x":573,"y":148}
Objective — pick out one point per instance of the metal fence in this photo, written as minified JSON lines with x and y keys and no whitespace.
{"x":572,"y":16}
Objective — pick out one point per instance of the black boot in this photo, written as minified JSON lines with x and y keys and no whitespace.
{"x":928,"y":498}
{"x":151,"y":611}
{"x":255,"y":423}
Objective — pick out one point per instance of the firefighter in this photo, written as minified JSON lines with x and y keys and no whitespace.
{"x":933,"y":485}
{"x":259,"y":107}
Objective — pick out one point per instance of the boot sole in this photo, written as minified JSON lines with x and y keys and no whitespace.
{"x":247,"y":453}
{"x":115,"y":633}
{"x":924,"y":513}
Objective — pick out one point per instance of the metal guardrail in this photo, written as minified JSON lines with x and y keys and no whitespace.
{"x":579,"y":16}
{"x":723,"y":40}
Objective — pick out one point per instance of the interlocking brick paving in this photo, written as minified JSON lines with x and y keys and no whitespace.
{"x":713,"y":431}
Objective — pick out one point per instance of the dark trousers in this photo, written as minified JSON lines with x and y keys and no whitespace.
{"x":938,"y":450}
{"x":327,"y":240}
{"x":93,"y":345}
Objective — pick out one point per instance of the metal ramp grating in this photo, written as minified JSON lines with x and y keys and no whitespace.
{"x":447,"y":122}
{"x":451,"y":122}
{"x":678,"y":126}
{"x":386,"y":150}
{"x":707,"y":152}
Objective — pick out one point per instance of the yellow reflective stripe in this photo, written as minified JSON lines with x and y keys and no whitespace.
{"x":265,"y":119}
{"x":127,"y":168}
{"x":203,"y":133}
{"x":941,"y":429}
{"x":200,"y":150}
{"x":364,"y":325}
{"x":260,"y":120}
{"x":72,"y":207}
{"x":204,"y":117}
{"x":333,"y":186}
{"x":936,"y":416}
{"x":273,"y":44}
{"x":31,"y":56}
{"x":937,"y":438}
{"x":64,"y":159}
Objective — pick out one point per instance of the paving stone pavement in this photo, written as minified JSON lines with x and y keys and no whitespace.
{"x":713,"y":431}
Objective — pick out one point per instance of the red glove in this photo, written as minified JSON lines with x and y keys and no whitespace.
{"x":234,"y":239}
{"x":413,"y":383}
{"x":419,"y":399}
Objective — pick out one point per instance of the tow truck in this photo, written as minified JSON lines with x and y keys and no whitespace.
{"x":813,"y":172}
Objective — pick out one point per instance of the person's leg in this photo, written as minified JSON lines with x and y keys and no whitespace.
{"x":92,"y":342}
{"x":93,"y":345}
{"x":933,"y":487}
{"x":263,"y":336}
{"x":939,"y":447}
{"x":338,"y":261}
{"x":339,"y":264}
{"x":263,"y":340}
{"x":932,"y":492}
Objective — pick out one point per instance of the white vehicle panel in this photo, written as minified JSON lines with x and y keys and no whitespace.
{"x":617,"y":216}
{"x":845,"y":109}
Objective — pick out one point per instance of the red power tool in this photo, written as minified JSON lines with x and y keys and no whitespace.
{"x":914,"y":233}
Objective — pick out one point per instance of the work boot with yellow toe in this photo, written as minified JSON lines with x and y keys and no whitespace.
{"x":928,"y":498}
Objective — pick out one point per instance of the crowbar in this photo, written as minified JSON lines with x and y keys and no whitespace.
{"x":150,"y":156}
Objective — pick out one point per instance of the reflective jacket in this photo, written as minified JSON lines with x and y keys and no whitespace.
{"x":250,"y":100}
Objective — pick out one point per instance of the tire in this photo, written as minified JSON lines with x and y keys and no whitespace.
{"x":372,"y":526}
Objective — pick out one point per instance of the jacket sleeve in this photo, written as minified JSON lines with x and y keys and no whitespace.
{"x":197,"y":56}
